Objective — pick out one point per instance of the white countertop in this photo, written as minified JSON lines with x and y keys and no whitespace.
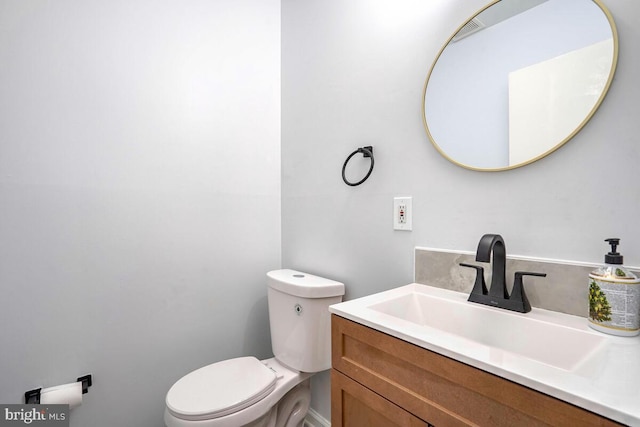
{"x":606,"y":382}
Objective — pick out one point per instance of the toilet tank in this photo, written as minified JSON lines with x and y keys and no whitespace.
{"x":300,"y":320}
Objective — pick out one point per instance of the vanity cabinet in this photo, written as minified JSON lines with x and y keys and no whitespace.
{"x":378,"y":380}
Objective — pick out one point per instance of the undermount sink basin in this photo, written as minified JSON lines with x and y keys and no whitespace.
{"x":418,"y":311}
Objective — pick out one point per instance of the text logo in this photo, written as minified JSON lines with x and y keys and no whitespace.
{"x":34,"y":415}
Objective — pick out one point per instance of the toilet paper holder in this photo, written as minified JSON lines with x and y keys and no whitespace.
{"x":32,"y":397}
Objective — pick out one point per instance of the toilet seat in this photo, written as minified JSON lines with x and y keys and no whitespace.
{"x":220,"y":389}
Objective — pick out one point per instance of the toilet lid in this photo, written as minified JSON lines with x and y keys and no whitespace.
{"x":220,"y":389}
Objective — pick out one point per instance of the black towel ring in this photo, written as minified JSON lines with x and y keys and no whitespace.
{"x":366,"y":152}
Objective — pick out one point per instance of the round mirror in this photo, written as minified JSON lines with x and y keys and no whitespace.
{"x":518,"y":80}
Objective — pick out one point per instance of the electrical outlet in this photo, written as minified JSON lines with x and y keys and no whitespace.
{"x":402,"y":213}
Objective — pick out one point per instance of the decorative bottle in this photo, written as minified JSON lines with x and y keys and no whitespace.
{"x":614,"y":296}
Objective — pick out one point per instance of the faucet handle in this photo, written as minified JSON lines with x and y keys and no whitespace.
{"x":480,"y":286}
{"x":518,"y":294}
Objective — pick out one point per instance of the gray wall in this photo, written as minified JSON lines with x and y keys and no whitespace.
{"x":352,"y":75}
{"x":140,"y":187}
{"x":139,"y":194}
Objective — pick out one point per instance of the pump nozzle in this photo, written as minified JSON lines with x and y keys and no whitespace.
{"x":613,"y":257}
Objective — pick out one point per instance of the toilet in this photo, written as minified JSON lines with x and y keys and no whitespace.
{"x":275,"y":392}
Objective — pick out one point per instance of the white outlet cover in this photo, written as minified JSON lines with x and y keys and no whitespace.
{"x":405,"y":202}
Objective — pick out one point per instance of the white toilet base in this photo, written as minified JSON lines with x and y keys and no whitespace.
{"x":285,"y":406}
{"x":293,"y":407}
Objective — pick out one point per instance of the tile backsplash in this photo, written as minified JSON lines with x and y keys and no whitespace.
{"x":564,"y":289}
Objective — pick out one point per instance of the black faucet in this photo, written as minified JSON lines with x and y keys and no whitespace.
{"x":497,"y":295}
{"x":494,"y":243}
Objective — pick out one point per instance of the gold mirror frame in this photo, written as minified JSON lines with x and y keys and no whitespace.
{"x":614,"y":33}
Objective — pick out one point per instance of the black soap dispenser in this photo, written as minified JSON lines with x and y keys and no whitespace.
{"x":614,"y":296}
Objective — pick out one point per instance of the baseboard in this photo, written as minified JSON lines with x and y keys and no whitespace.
{"x":314,"y":419}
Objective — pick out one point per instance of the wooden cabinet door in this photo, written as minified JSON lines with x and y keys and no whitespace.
{"x":353,"y":405}
{"x":443,"y":391}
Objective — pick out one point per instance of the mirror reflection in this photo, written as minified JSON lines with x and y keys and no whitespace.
{"x":518,"y":80}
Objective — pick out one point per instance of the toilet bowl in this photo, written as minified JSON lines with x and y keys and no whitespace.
{"x":239,"y":392}
{"x":275,"y":392}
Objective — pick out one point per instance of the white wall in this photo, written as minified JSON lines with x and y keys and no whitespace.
{"x":353,"y":74}
{"x":139,"y":194}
